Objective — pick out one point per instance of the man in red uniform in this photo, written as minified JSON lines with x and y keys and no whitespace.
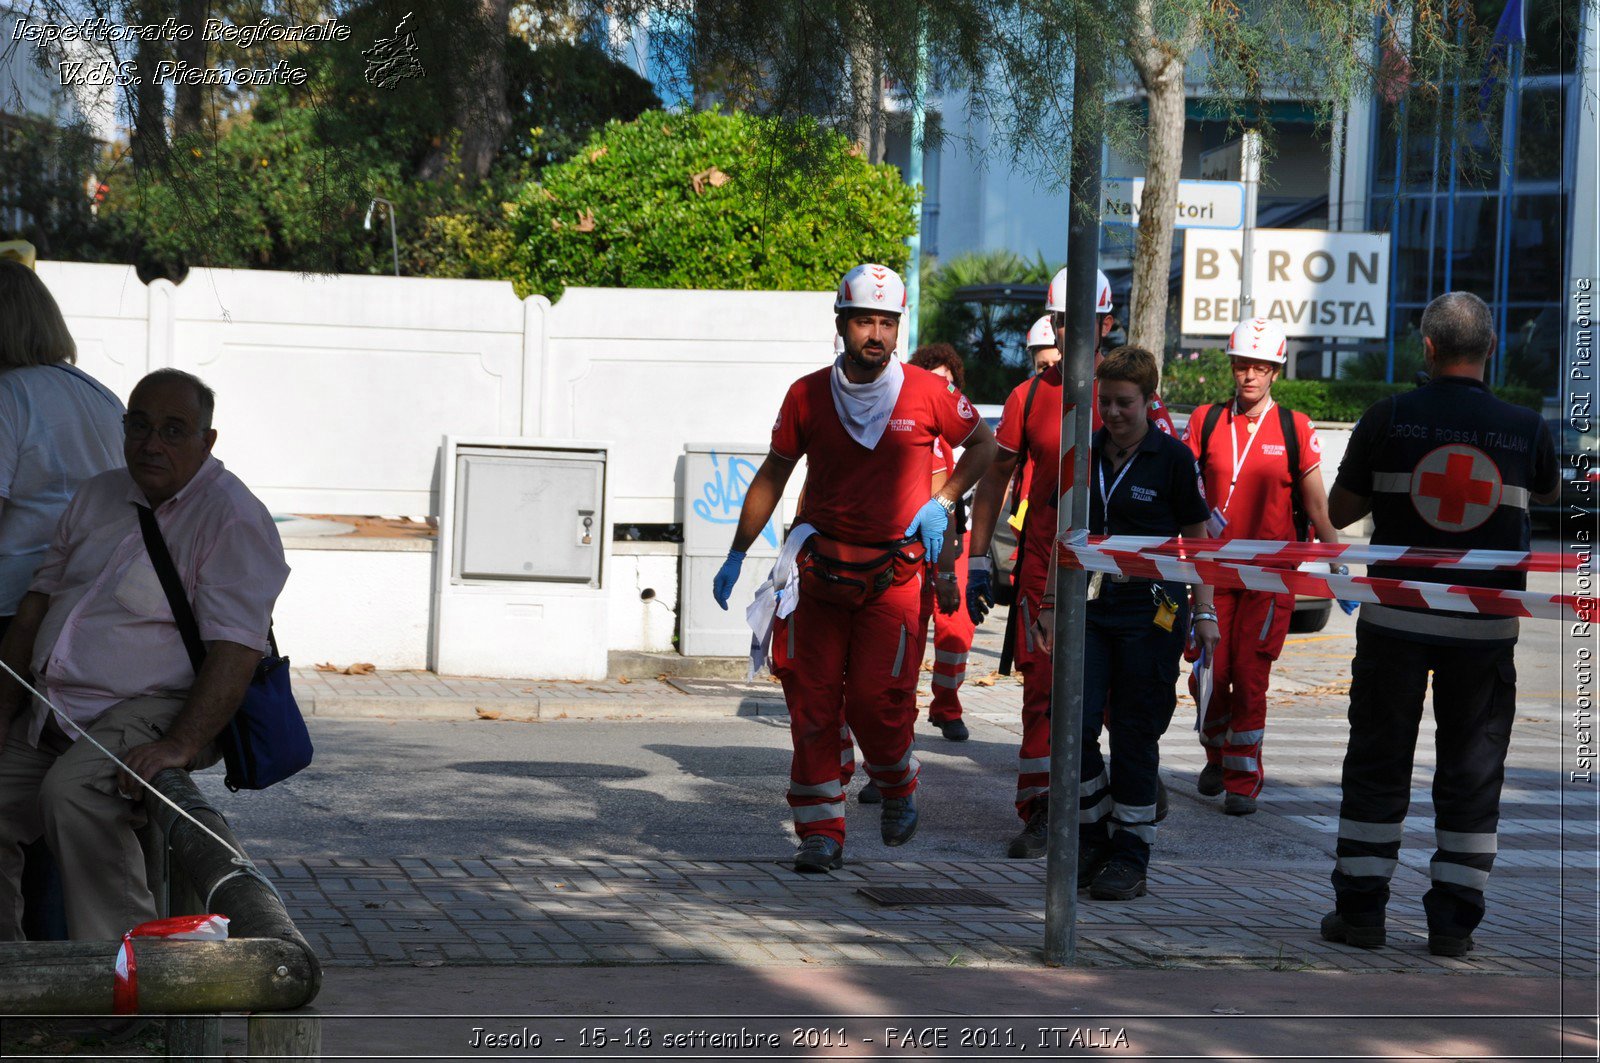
{"x":1035,"y":439}
{"x":1253,"y":477}
{"x":843,"y":639}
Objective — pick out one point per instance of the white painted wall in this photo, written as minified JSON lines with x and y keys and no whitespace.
{"x":344,"y":605}
{"x":333,"y":392}
{"x":637,"y":623}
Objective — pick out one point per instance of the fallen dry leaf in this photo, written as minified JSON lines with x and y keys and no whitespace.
{"x":985,"y":681}
{"x":361,"y":668}
{"x":585,"y":222}
{"x":623,"y":679}
{"x":598,"y":153}
{"x":927,"y":666}
{"x":713,"y":177}
{"x":488,"y":714}
{"x":555,"y":224}
{"x":325,"y":667}
{"x":663,"y":677}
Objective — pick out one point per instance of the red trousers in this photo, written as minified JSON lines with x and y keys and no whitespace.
{"x":849,"y":671}
{"x":1033,"y":759}
{"x":952,"y":641}
{"x":1253,"y":625}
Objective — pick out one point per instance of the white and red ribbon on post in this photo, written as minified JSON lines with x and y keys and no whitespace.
{"x":1260,"y":565}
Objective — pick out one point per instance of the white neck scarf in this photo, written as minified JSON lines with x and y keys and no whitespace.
{"x":864,"y":409}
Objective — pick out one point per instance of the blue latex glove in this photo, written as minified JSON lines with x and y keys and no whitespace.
{"x":727,"y":576}
{"x":980,"y":592}
{"x":1348,"y":607}
{"x":929,"y":525}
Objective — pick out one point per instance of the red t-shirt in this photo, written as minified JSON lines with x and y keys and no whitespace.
{"x":1044,"y":432}
{"x":1258,"y":505}
{"x":869,"y":496}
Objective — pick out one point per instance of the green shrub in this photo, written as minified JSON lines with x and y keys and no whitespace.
{"x":695,"y":201}
{"x":1208,"y":379}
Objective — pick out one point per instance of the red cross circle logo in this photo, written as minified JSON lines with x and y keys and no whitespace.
{"x":1455,"y":488}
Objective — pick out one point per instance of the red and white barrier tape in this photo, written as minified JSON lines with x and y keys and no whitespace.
{"x":1374,"y":590}
{"x":1272,"y":554}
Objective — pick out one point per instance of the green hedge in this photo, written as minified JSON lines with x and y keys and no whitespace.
{"x":1208,"y":379}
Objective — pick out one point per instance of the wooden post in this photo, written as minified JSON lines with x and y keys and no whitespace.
{"x":175,"y":977}
{"x":194,"y":1037}
{"x":297,"y":1036}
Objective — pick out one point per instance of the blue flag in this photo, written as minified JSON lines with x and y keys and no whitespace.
{"x":1508,"y":31}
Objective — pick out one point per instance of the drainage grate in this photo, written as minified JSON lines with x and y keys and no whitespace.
{"x":930,"y":896}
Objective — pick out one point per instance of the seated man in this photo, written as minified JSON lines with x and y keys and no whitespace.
{"x":96,"y":630}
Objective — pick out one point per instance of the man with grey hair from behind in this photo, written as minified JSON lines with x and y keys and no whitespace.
{"x":1446,"y":466}
{"x":97,"y":630}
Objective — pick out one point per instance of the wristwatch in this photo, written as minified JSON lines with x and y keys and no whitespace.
{"x":948,"y":577}
{"x":945,"y":504}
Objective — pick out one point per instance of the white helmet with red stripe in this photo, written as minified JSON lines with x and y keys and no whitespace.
{"x":1055,"y":298}
{"x":871,"y":287}
{"x":1260,"y":340}
{"x":1042,"y":334}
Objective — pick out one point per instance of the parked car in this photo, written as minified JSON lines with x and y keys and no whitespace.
{"x":1578,"y":457}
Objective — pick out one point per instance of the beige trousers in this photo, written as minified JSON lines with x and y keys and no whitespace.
{"x":71,"y":799}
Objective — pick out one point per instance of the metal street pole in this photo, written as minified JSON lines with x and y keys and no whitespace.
{"x":1072,"y":509}
{"x":919,"y":93}
{"x":1250,"y":171}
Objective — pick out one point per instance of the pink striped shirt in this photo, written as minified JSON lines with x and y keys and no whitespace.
{"x":109,"y":634}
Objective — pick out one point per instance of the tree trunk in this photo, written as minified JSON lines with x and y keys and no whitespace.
{"x":1160,"y":66}
{"x":149,"y":136}
{"x":481,"y":113}
{"x":862,"y":97}
{"x":189,"y":99}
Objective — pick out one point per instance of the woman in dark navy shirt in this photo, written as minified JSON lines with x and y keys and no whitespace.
{"x":1141,"y":482}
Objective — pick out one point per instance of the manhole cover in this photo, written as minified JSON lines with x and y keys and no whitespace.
{"x":929,"y":896}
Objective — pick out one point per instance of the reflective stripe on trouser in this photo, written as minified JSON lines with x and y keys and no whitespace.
{"x":828,"y":704}
{"x":1253,"y":625}
{"x":1033,"y":759}
{"x":1474,"y":703}
{"x":952,"y":641}
{"x":1132,"y":664}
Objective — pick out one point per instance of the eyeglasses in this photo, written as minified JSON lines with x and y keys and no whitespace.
{"x":138,"y":430}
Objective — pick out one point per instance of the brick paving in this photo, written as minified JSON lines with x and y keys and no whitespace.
{"x":462,"y":909}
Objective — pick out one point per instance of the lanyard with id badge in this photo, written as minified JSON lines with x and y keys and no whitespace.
{"x":1166,"y":609}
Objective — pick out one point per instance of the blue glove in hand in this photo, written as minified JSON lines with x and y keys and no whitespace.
{"x":1349,"y":607}
{"x":929,"y":525}
{"x":980,"y":595}
{"x":727,"y":576}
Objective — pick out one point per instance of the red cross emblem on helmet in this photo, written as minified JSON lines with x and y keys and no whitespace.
{"x":1456,"y":488}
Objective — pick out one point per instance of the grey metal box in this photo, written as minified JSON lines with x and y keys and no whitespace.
{"x":529,"y":515}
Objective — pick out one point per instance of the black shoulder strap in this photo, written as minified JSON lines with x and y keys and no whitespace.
{"x":167,"y":572}
{"x":1291,"y":449}
{"x":1213,"y":415}
{"x":1022,"y":451}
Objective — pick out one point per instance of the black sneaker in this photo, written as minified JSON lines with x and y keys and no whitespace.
{"x":870,"y":794}
{"x":1090,"y":863}
{"x":1337,"y":928}
{"x":1238,"y":805}
{"x":818,"y":854}
{"x":1031,"y":843}
{"x":955,"y":731}
{"x":899,"y":819}
{"x":1449,"y":944}
{"x":1210,"y":783}
{"x":1119,"y":880}
{"x":1161,"y":800}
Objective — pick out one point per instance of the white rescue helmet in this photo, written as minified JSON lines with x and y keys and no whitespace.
{"x":1260,"y":340}
{"x":1055,"y":298}
{"x":1042,"y":334}
{"x":871,"y":287}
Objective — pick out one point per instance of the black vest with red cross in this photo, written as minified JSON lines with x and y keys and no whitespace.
{"x":1449,"y":466}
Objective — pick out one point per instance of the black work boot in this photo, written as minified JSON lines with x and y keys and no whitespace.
{"x":1031,"y":843}
{"x":1238,"y":804}
{"x":1210,"y":782}
{"x":954,"y":730}
{"x":869,"y":794}
{"x":1449,"y":944}
{"x":899,"y":819}
{"x":1364,"y":932}
{"x":1119,"y":880}
{"x":818,"y":854}
{"x":1091,"y":860}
